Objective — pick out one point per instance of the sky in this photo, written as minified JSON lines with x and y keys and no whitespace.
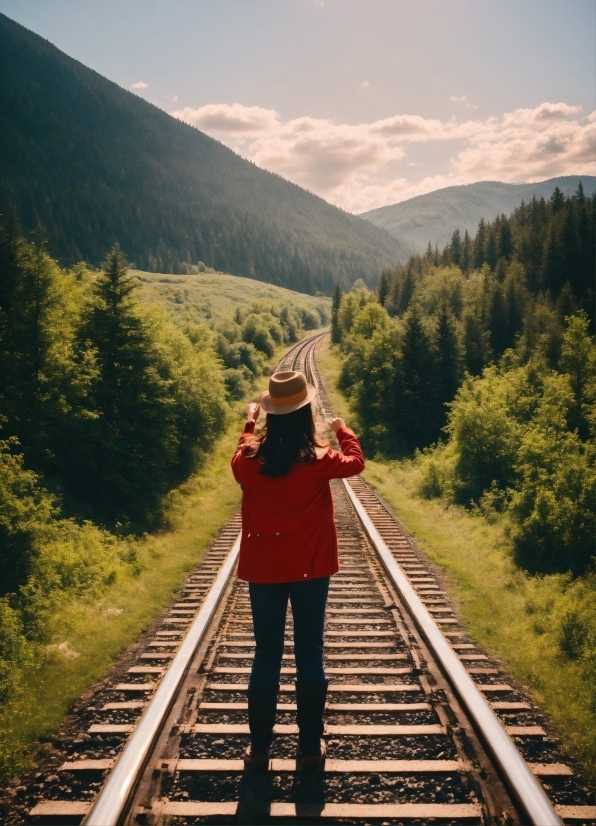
{"x":364,"y":102}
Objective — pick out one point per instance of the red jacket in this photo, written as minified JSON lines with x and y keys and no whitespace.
{"x":288,"y":529}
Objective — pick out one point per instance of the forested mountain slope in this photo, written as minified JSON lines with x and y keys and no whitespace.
{"x":95,"y":163}
{"x":434,"y":216}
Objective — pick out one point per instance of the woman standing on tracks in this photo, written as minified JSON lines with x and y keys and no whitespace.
{"x":289,"y":551}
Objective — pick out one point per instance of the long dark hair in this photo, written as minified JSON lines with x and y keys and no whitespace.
{"x":285,"y":439}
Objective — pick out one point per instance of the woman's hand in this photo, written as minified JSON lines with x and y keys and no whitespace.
{"x":252,"y":411}
{"x":336,"y":424}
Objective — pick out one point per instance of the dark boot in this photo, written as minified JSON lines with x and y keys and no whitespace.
{"x":310,"y":699}
{"x":262,"y":704}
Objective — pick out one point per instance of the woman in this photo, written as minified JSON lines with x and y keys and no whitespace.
{"x":288,"y":551}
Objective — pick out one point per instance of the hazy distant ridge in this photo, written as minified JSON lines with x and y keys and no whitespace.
{"x":95,"y":163}
{"x":434,"y":217}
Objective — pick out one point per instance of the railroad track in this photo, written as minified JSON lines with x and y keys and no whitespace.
{"x":421,"y":726}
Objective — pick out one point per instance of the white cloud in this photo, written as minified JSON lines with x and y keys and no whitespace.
{"x":139,"y":85}
{"x":230,"y":120}
{"x":463,"y":99}
{"x":362,"y":166}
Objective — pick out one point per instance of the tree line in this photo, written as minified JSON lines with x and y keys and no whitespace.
{"x":495,"y":366}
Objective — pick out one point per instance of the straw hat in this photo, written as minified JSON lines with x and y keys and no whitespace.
{"x":288,"y":391}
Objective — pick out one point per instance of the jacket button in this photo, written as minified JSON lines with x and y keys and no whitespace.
{"x":277,"y":534}
{"x":248,"y":535}
{"x":305,"y":575}
{"x":258,"y":534}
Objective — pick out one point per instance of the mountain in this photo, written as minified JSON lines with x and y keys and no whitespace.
{"x":94,"y":163}
{"x":434,"y":217}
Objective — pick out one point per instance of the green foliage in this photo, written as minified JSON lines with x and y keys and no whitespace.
{"x":110,"y":401}
{"x":23,"y":507}
{"x":512,"y":308}
{"x":485,"y":437}
{"x":94,"y":162}
{"x":511,"y":449}
{"x":553,"y":504}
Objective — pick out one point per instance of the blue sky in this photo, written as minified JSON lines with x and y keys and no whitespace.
{"x":366,"y":102}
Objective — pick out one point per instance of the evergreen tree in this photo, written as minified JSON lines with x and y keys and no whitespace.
{"x":406,"y":291}
{"x":466,"y":252}
{"x":497,"y":323}
{"x":515,"y":298}
{"x":474,"y":344}
{"x":490,"y":246}
{"x":335,"y":305}
{"x":447,"y":358}
{"x":504,"y":239}
{"x":384,"y":287}
{"x":456,"y":250}
{"x":557,"y":201}
{"x":33,"y":353}
{"x":415,"y":390}
{"x":122,"y":459}
{"x":479,"y":241}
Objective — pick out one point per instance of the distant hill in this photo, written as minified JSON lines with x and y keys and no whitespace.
{"x":95,"y":163}
{"x":434,"y":217}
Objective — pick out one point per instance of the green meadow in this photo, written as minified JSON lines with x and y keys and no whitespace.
{"x":211,"y":297}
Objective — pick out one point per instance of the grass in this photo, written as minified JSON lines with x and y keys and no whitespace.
{"x":507,"y":611}
{"x":95,"y":629}
{"x":212,"y":296}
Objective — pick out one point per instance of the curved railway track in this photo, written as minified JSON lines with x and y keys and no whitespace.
{"x":420,"y":724}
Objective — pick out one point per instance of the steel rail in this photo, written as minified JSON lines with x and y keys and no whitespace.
{"x":528,"y":791}
{"x":115,"y":796}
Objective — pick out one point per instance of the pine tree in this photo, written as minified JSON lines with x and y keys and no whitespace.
{"x":406,"y":291}
{"x":556,"y":201}
{"x":456,"y":248}
{"x":504,"y":240}
{"x":497,"y":321}
{"x":479,"y":242}
{"x":31,"y":360}
{"x":447,"y":357}
{"x":474,"y":344}
{"x":126,"y":445}
{"x":466,"y":252}
{"x":384,"y":287}
{"x":335,"y":305}
{"x":415,"y":390}
{"x":490,"y":246}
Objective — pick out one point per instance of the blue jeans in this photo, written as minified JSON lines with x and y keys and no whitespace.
{"x":269,"y":604}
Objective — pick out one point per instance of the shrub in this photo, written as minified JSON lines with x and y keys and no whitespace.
{"x":486,"y":437}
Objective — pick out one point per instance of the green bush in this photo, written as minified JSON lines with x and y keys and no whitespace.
{"x":485,"y":436}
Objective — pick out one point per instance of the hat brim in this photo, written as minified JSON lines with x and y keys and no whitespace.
{"x":279,"y":409}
